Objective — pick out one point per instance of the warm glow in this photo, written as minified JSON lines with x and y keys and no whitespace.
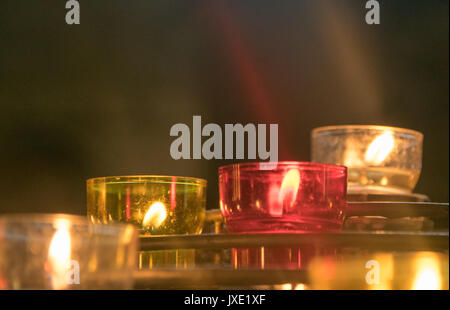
{"x":155,"y":215}
{"x":59,"y":254}
{"x":379,"y":149}
{"x":428,"y":276}
{"x":286,"y":286}
{"x":300,"y":287}
{"x":291,"y":286}
{"x":351,"y":158}
{"x":282,"y":198}
{"x":289,"y":188}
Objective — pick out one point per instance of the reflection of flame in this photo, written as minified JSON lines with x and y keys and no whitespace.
{"x":428,"y":276}
{"x":380,"y":148}
{"x":289,"y":187}
{"x":155,"y":215}
{"x":351,"y":158}
{"x":286,"y":286}
{"x":59,"y":254}
{"x":291,"y":286}
{"x":173,"y":194}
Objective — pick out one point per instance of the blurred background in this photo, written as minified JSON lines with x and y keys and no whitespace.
{"x":99,"y":98}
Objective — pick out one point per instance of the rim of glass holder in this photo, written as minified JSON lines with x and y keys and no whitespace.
{"x":52,"y":218}
{"x":139,"y":179}
{"x":302,"y":165}
{"x":323,"y":130}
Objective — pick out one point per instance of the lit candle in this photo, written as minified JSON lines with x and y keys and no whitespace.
{"x":380,"y":159}
{"x":156,"y":205}
{"x":293,"y":196}
{"x":58,"y":251}
{"x":155,"y":216}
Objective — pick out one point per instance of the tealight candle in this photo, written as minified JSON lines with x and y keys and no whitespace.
{"x":380,"y":159}
{"x":292,"y":196}
{"x":57,"y":251}
{"x":156,"y":205}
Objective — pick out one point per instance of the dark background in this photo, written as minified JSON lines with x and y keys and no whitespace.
{"x":99,"y":98}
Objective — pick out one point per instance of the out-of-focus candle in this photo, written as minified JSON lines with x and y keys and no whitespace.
{"x":293,"y":196}
{"x":59,"y":254}
{"x":380,"y":159}
{"x":380,"y":271}
{"x":57,"y":251}
{"x":428,"y":275}
{"x":156,"y":205}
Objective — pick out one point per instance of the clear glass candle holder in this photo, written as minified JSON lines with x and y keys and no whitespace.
{"x":291,"y":197}
{"x":156,"y":205}
{"x":380,"y":159}
{"x":57,"y":251}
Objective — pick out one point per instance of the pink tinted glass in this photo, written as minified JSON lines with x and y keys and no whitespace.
{"x":291,"y":196}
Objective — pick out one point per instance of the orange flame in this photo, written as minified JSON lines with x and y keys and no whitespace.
{"x":59,"y":254}
{"x":155,"y":215}
{"x":380,"y":148}
{"x":284,"y":197}
{"x":289,"y":188}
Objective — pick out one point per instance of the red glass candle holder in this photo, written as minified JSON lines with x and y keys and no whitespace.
{"x":289,"y":197}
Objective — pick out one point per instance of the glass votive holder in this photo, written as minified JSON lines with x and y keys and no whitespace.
{"x":156,"y":205}
{"x":290,"y":197}
{"x":57,"y":251}
{"x":380,"y":159}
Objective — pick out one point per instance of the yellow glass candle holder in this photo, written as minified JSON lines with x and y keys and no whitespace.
{"x":156,"y":205}
{"x":380,"y":159}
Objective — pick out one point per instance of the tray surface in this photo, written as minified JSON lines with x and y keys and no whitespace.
{"x":382,"y":240}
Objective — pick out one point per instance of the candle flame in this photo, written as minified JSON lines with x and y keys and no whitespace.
{"x":428,"y":276}
{"x":155,"y":215}
{"x":380,"y":148}
{"x":289,"y":187}
{"x":59,"y":254}
{"x":284,"y":196}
